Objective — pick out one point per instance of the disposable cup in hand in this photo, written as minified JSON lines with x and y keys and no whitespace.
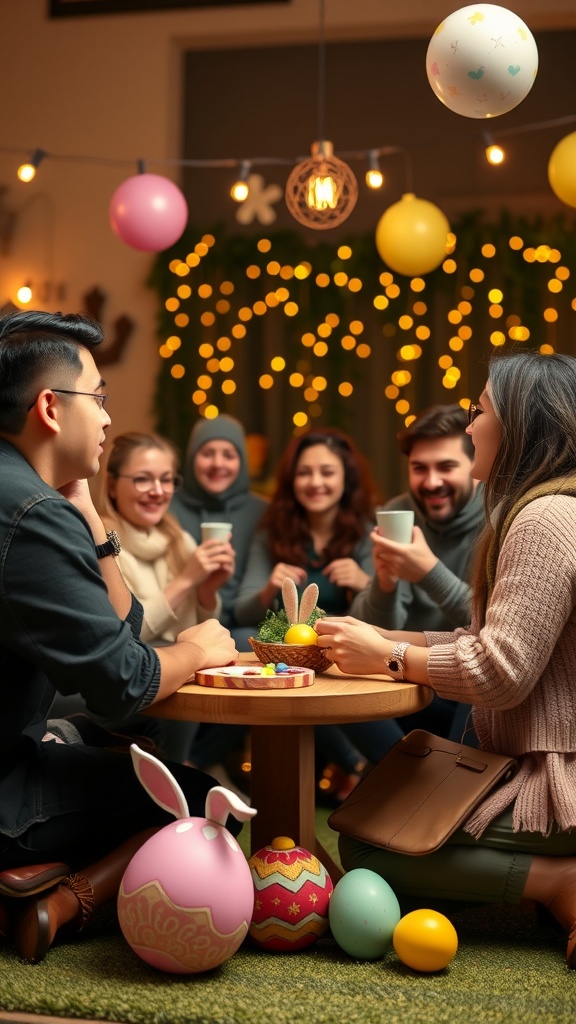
{"x":215,"y":531}
{"x":396,"y":525}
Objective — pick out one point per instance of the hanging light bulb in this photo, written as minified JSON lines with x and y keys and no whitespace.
{"x":27,"y":171}
{"x":494,"y":153}
{"x":240,"y":188}
{"x":374,"y":176}
{"x":321,"y":192}
{"x":24,"y":293}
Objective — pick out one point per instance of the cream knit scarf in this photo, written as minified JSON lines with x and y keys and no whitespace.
{"x":146,"y":545}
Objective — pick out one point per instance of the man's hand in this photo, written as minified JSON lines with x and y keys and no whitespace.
{"x":345,"y":572}
{"x":78,"y":494}
{"x":393,"y":562}
{"x":356,"y":647}
{"x":214,"y":642}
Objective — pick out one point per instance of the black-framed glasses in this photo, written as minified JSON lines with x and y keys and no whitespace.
{"x":473,"y":412}
{"x":100,"y":399}
{"x":144,"y":482}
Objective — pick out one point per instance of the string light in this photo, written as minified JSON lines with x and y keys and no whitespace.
{"x":374,"y":176}
{"x":240,"y":188}
{"x":27,"y":171}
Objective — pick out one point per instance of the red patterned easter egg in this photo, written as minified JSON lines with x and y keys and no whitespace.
{"x":292,"y":891}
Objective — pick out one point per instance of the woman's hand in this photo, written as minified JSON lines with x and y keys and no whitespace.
{"x":210,"y":557}
{"x":356,"y":647}
{"x":345,"y":572}
{"x":280,"y":572}
{"x":208,"y":589}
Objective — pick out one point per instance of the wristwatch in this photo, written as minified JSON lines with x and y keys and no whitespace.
{"x":113,"y":545}
{"x":395,"y":663}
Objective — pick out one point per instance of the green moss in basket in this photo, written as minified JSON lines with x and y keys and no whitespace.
{"x":274,"y":626}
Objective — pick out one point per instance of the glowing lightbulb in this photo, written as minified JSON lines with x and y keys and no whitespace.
{"x":24,"y":294}
{"x":26,"y":172}
{"x":495,"y":154}
{"x":322,"y":192}
{"x":239,"y":191}
{"x":374,"y":179}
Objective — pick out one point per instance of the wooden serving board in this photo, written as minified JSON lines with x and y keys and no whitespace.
{"x":248,"y":677}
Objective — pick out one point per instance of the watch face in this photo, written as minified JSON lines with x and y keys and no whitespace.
{"x":394,"y":666}
{"x":115,"y":542}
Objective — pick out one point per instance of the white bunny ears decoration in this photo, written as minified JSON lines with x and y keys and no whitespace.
{"x":161,"y":785}
{"x":308,"y":603}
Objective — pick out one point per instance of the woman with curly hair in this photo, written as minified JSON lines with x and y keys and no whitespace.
{"x":317,"y":530}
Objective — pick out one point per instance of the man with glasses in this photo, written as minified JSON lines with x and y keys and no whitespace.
{"x":424,"y":584}
{"x":68,"y":624}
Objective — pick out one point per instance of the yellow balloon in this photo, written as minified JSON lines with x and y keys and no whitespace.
{"x":411,"y":236}
{"x":562,"y":170}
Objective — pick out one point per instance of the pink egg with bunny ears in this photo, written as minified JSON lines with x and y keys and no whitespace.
{"x":186,"y":899}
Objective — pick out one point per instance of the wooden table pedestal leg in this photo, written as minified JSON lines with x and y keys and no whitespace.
{"x":282,"y":789}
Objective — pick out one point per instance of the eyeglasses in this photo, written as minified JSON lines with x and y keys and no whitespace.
{"x":100,"y":399}
{"x":473,"y":412}
{"x":142,"y":482}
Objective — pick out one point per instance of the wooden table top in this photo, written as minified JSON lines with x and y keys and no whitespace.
{"x":334,"y":697}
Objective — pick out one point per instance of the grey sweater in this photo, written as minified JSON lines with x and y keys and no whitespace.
{"x":441,"y":600}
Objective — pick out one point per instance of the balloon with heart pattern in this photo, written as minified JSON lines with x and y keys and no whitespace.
{"x":482,"y":61}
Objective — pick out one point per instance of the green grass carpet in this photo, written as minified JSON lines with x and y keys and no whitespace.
{"x":508,"y":970}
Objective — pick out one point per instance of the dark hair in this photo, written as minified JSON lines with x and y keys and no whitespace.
{"x":285,"y":520}
{"x":437,"y":421}
{"x":534,"y":398}
{"x":33,"y":345}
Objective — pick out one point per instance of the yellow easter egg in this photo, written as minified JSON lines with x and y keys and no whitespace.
{"x":300,"y":633}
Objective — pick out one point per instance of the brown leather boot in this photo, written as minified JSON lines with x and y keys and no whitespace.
{"x":70,"y":905}
{"x":19,"y":883}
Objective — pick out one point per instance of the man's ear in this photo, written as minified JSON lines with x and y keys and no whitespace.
{"x":47,"y":409}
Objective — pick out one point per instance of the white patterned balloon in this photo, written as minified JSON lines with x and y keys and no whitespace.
{"x":482,"y":61}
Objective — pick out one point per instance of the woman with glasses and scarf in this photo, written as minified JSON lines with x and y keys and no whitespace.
{"x":175,"y":579}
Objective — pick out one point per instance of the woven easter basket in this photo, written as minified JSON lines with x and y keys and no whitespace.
{"x":304,"y":655}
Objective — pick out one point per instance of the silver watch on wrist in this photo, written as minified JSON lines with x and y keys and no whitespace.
{"x":395,"y":663}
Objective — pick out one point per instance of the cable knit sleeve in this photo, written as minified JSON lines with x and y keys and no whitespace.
{"x":530,"y":625}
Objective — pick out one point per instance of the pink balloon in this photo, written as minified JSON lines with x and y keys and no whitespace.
{"x":148,"y":212}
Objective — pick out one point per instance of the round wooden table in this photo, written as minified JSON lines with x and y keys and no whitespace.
{"x":282,"y":786}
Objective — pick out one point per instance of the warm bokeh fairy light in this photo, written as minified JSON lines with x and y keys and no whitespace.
{"x":221,"y":325}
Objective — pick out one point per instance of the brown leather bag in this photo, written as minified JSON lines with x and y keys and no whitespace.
{"x":421,"y":791}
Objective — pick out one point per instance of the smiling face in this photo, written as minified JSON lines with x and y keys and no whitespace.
{"x":216,"y":466}
{"x":440,"y":477}
{"x":486,"y":434}
{"x":319,"y":479}
{"x":143,"y":509}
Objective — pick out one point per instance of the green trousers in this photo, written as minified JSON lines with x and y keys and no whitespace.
{"x":492,"y":869}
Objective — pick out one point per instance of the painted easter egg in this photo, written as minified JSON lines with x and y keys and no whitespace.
{"x":292,"y":891}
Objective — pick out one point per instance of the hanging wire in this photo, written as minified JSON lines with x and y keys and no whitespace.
{"x":321,"y":76}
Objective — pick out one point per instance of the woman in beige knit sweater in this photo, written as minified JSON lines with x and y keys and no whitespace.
{"x":516,"y":662}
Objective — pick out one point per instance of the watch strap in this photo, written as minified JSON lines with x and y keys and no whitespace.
{"x":112,"y":546}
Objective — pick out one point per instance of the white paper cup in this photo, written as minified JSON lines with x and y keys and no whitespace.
{"x":396,"y":525}
{"x":215,"y":531}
